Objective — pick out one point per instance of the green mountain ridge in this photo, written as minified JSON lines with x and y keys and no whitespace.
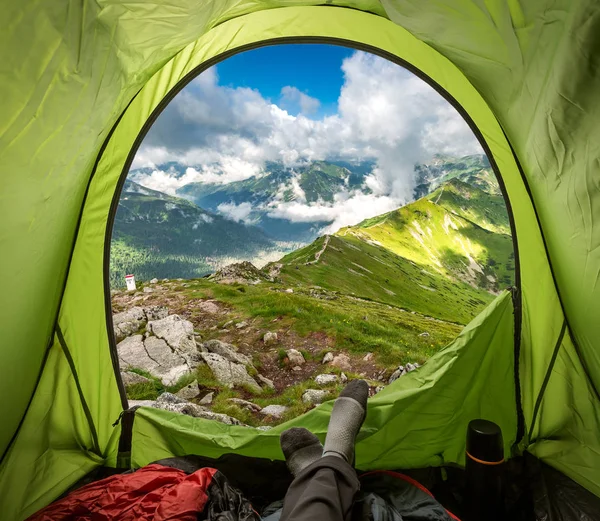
{"x":445,"y":255}
{"x":158,"y":235}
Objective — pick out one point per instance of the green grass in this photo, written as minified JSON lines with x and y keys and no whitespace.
{"x":391,"y":333}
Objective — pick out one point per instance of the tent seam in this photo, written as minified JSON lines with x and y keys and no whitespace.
{"x":86,"y":409}
{"x":540,"y":397}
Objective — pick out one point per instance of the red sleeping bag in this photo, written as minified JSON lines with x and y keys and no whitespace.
{"x":154,"y":493}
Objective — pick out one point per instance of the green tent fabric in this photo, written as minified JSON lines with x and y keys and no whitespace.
{"x":81,"y":82}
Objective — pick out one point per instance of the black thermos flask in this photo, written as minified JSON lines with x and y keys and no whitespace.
{"x":484,"y":469}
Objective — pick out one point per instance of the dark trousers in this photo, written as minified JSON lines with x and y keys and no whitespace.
{"x":323,"y":491}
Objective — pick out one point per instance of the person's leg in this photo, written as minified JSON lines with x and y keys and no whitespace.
{"x":324,"y":487}
{"x":323,"y":491}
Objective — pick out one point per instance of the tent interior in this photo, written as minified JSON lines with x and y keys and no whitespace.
{"x":83,"y":82}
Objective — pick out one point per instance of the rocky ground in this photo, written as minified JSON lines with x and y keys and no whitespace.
{"x":204,"y":358}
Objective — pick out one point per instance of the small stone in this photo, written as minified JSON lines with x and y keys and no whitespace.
{"x":295,"y":357}
{"x":342,"y":362}
{"x":241,"y":325}
{"x":314,"y":396}
{"x":297,"y":368}
{"x":265,"y":381}
{"x":154,"y":281}
{"x":327,"y":358}
{"x":410,"y":367}
{"x":425,"y":334}
{"x":276,"y":411}
{"x":148,"y":289}
{"x":227,"y":324}
{"x":208,"y":307}
{"x":207,"y":399}
{"x":188,"y":392}
{"x":343,"y":378}
{"x":270,"y":338}
{"x":165,"y":280}
{"x":368,"y":357}
{"x":245,"y":404}
{"x":379,"y":389}
{"x":130,"y":378}
{"x":395,"y":375}
{"x":289,"y":290}
{"x":326,"y":379}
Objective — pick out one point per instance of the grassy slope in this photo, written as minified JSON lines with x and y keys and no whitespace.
{"x":428,"y":256}
{"x":354,"y":267}
{"x":444,"y":243}
{"x":360,"y":326}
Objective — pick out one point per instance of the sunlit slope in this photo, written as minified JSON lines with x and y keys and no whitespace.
{"x":445,"y":255}
{"x":352,"y":266}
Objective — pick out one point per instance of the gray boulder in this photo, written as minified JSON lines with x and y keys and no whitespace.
{"x":276,"y":411}
{"x":170,"y":366}
{"x":142,"y":403}
{"x":229,"y":373}
{"x":227,"y":351}
{"x":128,"y":322}
{"x":176,"y":331}
{"x":170,"y":398}
{"x":189,"y":392}
{"x":152,"y":355}
{"x":125,"y":329}
{"x":314,"y":396}
{"x":154,"y":281}
{"x":133,"y":314}
{"x":130,"y":378}
{"x":295,"y":357}
{"x":326,"y":379}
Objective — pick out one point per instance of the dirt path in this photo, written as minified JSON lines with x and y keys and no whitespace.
{"x":320,"y":252}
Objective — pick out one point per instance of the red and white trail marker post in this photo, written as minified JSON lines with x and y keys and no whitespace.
{"x":130,"y":281}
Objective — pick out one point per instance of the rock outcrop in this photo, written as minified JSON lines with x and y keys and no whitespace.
{"x":229,"y":373}
{"x":175,"y":331}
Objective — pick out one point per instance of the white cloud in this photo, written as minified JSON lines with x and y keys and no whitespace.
{"x":385,"y":113}
{"x":292,"y":97}
{"x":236,"y":212}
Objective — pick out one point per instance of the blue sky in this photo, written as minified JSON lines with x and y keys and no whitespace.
{"x":294,"y":104}
{"x":314,"y":69}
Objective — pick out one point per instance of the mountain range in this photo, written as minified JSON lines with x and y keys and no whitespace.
{"x":444,"y":255}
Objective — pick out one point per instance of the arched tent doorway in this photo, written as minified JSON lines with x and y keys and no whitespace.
{"x":60,"y":424}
